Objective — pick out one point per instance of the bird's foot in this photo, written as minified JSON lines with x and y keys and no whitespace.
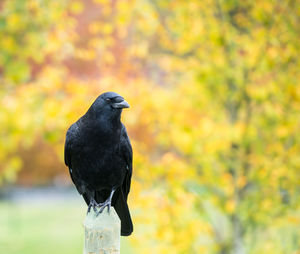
{"x":107,"y":204}
{"x":93,"y":204}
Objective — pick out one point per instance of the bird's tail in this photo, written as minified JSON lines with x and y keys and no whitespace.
{"x":121,"y":207}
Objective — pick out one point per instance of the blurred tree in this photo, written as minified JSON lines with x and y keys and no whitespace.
{"x":215,"y":98}
{"x":236,"y":124}
{"x":30,"y":38}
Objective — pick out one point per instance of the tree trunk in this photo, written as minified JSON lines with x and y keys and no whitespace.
{"x":238,"y":245}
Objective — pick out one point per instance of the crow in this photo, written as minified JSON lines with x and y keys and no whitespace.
{"x":98,"y":154}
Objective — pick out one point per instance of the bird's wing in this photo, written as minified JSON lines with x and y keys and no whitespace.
{"x":71,"y":137}
{"x":120,"y":203}
{"x":126,"y":151}
{"x":69,"y":144}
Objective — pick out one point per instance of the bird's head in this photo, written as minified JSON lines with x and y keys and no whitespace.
{"x":110,"y":104}
{"x":114,"y":100}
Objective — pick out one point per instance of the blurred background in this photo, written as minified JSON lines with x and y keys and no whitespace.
{"x":215,"y":99}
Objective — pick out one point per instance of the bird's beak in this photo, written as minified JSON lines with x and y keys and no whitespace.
{"x":122,"y":104}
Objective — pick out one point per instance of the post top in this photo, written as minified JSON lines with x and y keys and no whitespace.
{"x":103,"y":219}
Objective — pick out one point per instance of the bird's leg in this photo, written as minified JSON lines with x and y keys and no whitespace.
{"x":106,"y":203}
{"x":93,"y":204}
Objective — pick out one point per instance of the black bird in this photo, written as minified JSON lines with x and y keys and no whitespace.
{"x":99,"y":156}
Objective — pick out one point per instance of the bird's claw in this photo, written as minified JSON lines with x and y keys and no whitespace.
{"x":103,"y":205}
{"x":93,"y":204}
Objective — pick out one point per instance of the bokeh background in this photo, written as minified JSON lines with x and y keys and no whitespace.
{"x":215,"y":99}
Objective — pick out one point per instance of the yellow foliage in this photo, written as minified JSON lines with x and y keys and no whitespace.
{"x":95,"y":27}
{"x":102,"y":1}
{"x":13,"y":22}
{"x":76,"y":7}
{"x":230,"y":206}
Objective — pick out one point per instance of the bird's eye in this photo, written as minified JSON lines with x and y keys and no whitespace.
{"x":108,"y":100}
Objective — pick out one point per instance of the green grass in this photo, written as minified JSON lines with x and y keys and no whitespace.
{"x":44,"y":229}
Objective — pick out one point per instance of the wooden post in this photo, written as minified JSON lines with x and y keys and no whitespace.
{"x":102,"y":232}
